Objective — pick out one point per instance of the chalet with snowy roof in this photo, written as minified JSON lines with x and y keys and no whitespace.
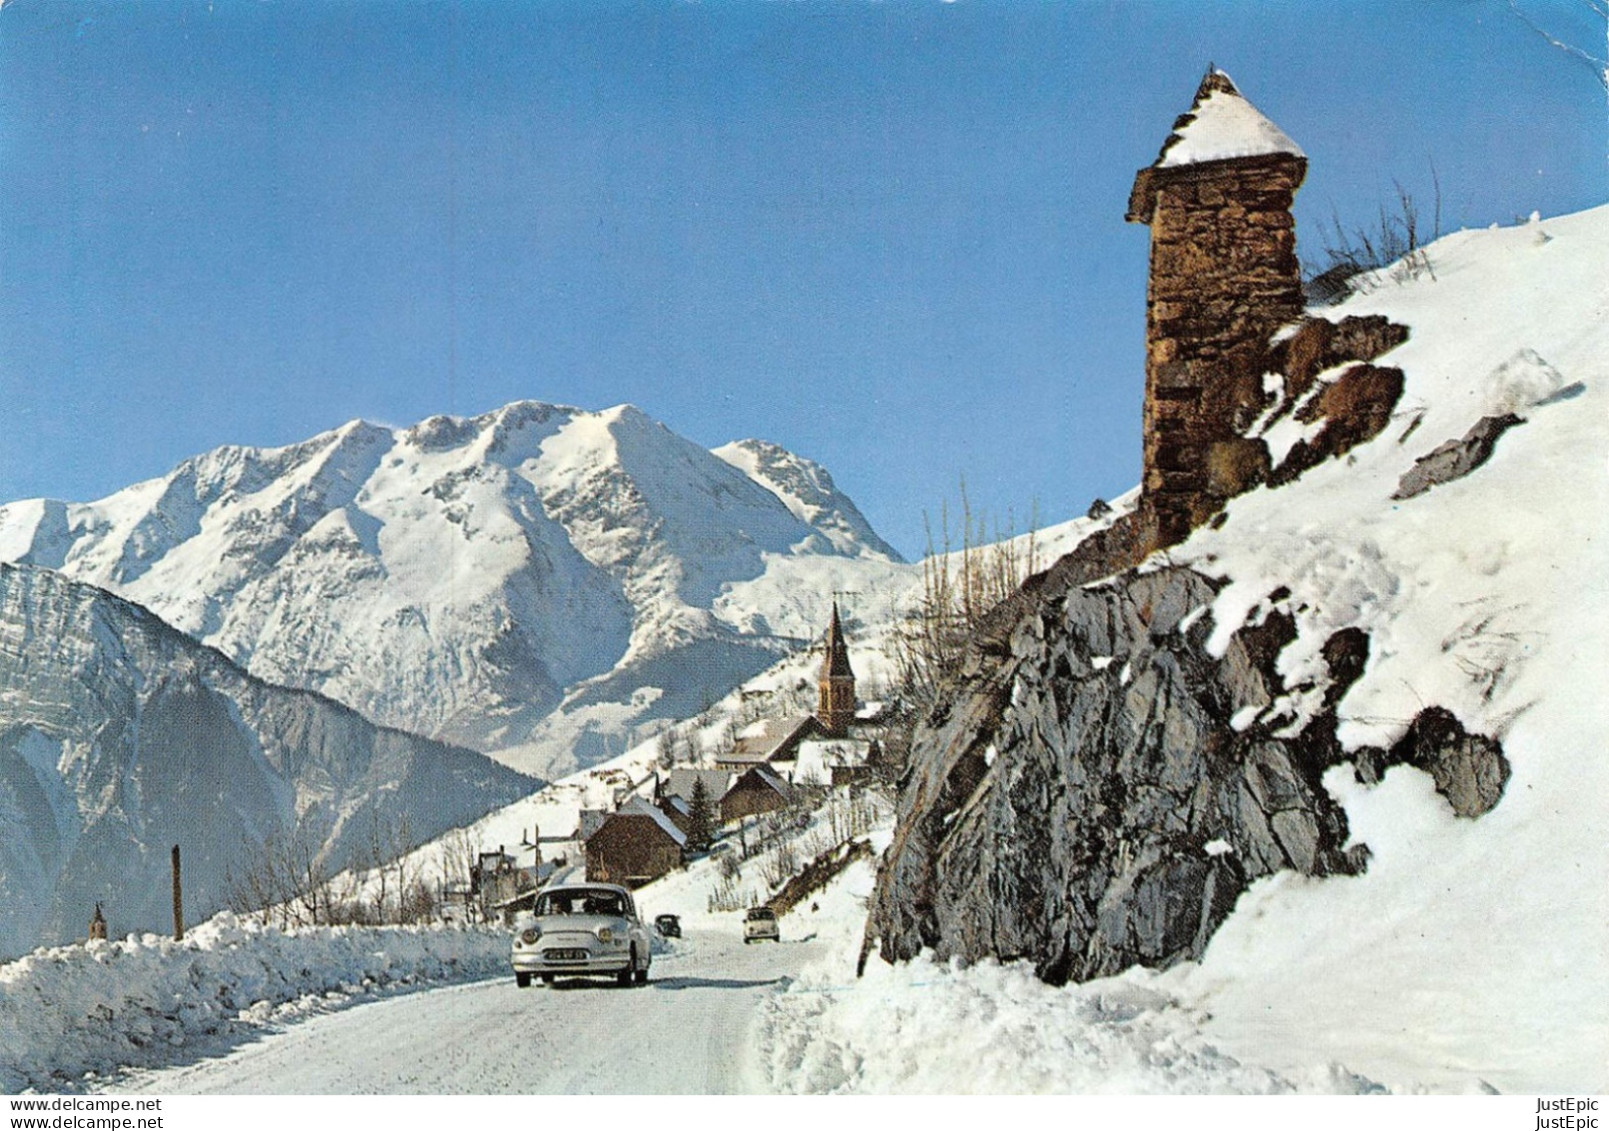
{"x":1224,"y":277}
{"x":635,"y":845}
{"x":678,"y":785}
{"x":757,"y":790}
{"x":834,"y":762}
{"x":768,"y":742}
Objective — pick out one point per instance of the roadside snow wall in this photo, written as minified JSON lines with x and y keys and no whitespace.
{"x":71,"y":1015}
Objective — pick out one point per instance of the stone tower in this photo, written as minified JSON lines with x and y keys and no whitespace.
{"x":1224,"y":278}
{"x":835,"y":703}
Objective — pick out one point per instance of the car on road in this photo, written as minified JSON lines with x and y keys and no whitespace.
{"x":580,"y":930}
{"x":761,"y":923}
{"x":668,"y":926}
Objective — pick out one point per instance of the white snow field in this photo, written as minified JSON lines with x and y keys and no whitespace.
{"x":1471,"y":952}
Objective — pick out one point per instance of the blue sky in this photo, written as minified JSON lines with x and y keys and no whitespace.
{"x":888,"y":236}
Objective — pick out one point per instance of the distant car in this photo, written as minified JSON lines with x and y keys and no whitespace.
{"x":582,"y":929}
{"x":761,"y":923}
{"x":668,"y":926}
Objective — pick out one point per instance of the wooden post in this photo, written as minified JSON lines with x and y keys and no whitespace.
{"x":178,"y":898}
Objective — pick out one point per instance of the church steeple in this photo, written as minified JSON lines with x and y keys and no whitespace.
{"x":836,"y":700}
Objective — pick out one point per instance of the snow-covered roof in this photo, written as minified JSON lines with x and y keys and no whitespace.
{"x":679,"y":783}
{"x":637,"y":807}
{"x":770,"y":779}
{"x":758,"y":748}
{"x":1221,"y":124}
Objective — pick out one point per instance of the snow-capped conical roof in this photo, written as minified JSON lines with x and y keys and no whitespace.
{"x":1221,"y":124}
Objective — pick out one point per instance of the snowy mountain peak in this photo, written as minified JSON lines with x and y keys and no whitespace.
{"x":808,"y":491}
{"x":467,"y":576}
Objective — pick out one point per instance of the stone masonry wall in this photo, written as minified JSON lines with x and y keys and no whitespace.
{"x":1224,"y":278}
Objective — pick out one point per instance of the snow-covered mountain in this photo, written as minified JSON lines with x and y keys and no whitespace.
{"x":121,"y":737}
{"x":534,"y":582}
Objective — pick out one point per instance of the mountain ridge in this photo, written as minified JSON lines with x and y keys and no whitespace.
{"x":537,"y":581}
{"x":121,"y":735}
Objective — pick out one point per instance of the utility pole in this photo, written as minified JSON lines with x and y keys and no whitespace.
{"x":178,"y":899}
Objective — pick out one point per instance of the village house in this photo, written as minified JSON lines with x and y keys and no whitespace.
{"x":757,"y":790}
{"x":635,"y":845}
{"x":769,"y":741}
{"x":673,"y":793}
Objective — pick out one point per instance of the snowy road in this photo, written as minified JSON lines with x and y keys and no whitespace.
{"x":687,"y":1031}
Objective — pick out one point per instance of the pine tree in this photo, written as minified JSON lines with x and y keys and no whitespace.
{"x":700,"y":818}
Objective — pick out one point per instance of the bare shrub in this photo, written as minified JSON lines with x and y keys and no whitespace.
{"x":779,"y":866}
{"x":958,"y":591}
{"x":1350,"y":254}
{"x":727,"y":895}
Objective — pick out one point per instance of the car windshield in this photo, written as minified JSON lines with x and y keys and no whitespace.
{"x":762,"y":913}
{"x":581,"y":902}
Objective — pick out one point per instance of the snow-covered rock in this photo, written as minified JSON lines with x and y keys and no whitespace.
{"x":1470,"y":953}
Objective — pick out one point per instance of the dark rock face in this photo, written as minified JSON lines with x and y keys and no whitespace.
{"x":1456,"y":458}
{"x":1355,"y":406}
{"x":1084,"y":802}
{"x":1098,"y":789}
{"x":1469,"y":769}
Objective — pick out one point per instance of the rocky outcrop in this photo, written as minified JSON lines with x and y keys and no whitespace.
{"x":1100,"y":788}
{"x":1456,"y":458}
{"x":1328,"y":380}
{"x":1469,"y":769}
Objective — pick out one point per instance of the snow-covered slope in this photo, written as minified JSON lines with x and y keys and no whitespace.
{"x":807,"y":490}
{"x":468,"y":578}
{"x":121,"y":737}
{"x":1470,"y":950}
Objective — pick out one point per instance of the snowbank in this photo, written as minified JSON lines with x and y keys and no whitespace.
{"x":921,"y":1027}
{"x":72,"y":1014}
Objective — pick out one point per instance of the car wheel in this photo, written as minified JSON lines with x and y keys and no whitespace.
{"x":547,"y":979}
{"x":521,"y":979}
{"x":642,"y":976}
{"x":630,"y":971}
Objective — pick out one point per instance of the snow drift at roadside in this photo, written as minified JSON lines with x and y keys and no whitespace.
{"x":75,"y":1013}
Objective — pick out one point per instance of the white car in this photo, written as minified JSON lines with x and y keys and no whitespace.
{"x":582,"y":929}
{"x":761,"y":923}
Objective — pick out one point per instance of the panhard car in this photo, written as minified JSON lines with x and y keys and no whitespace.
{"x":581,"y":930}
{"x":668,"y":926}
{"x":761,"y":923}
